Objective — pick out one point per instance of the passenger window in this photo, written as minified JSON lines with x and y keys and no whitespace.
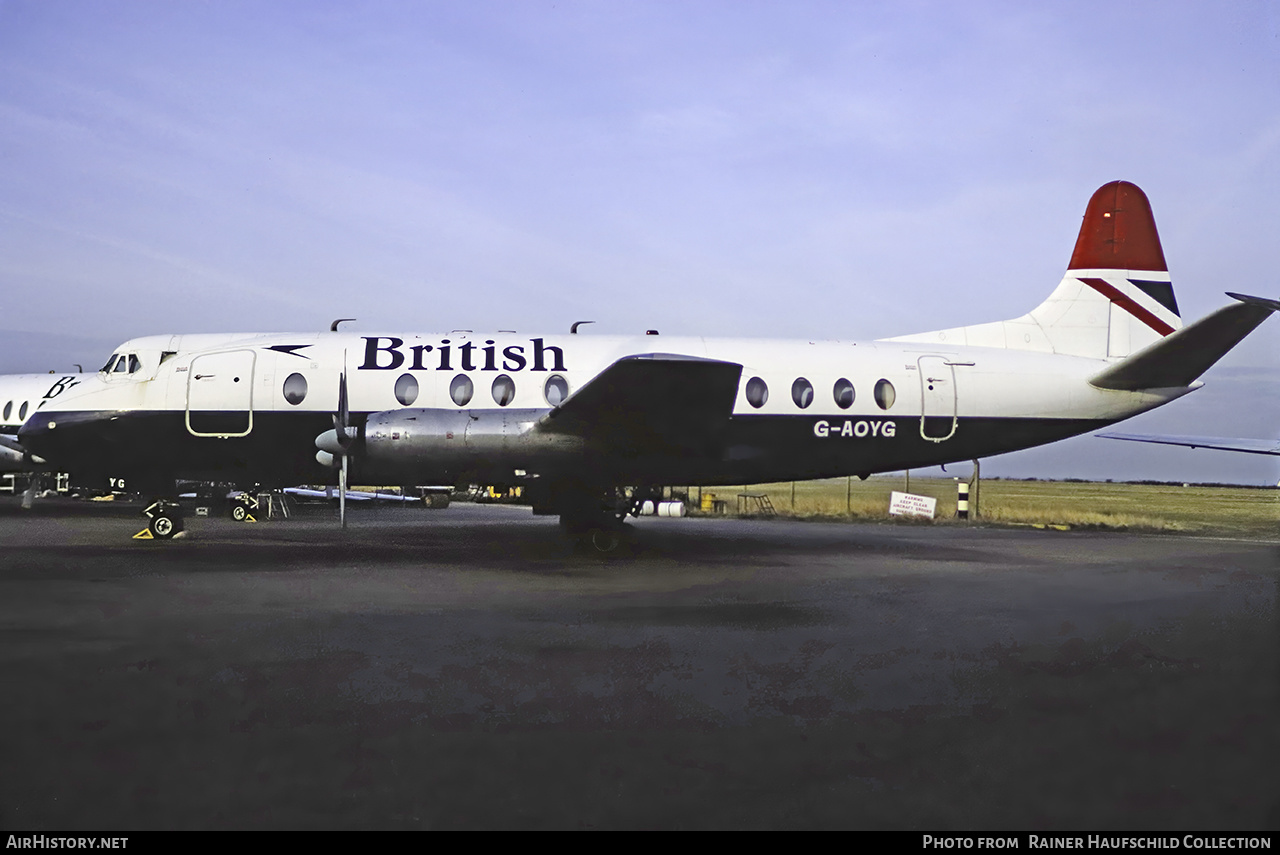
{"x":885,"y":395}
{"x":556,"y":390}
{"x":407,"y":389}
{"x":22,"y":411}
{"x":802,"y":392}
{"x":461,"y":390}
{"x":295,"y":389}
{"x":757,"y":392}
{"x":504,"y":390}
{"x":843,"y":393}
{"x":8,"y":410}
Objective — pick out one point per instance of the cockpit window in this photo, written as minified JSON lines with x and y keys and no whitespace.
{"x":121,"y":363}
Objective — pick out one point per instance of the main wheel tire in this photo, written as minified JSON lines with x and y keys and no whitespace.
{"x":239,"y":512}
{"x":606,"y":540}
{"x":164,"y":525}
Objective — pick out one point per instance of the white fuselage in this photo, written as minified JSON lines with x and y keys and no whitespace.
{"x":251,"y":405}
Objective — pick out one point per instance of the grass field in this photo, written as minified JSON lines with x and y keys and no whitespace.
{"x":1157,"y":507}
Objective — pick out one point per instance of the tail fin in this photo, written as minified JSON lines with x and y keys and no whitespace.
{"x":1115,"y":299}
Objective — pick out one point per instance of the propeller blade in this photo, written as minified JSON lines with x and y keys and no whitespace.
{"x":342,"y":492}
{"x":335,"y":445}
{"x":342,"y":418}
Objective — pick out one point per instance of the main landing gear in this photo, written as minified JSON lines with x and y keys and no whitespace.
{"x":164,"y":521}
{"x":604,"y":534}
{"x":600,"y":525}
{"x":243,"y":507}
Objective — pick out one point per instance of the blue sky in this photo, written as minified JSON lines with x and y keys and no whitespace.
{"x":815,"y":170}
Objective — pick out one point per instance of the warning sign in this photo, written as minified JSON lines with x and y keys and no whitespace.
{"x":909,"y":505}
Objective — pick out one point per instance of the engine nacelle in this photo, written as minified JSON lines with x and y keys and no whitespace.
{"x":442,"y":445}
{"x":12,"y":460}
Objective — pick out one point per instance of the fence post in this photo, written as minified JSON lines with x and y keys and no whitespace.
{"x":977,"y":486}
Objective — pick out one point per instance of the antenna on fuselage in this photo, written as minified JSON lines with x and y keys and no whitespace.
{"x":333,"y":327}
{"x":573,"y":330}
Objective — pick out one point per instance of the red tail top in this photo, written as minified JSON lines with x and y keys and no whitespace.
{"x":1118,"y":232}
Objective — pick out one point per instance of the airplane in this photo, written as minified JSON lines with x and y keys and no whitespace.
{"x":586,"y":424}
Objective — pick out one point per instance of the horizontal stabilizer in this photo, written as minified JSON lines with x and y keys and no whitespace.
{"x":651,"y":402}
{"x":1218,"y":443}
{"x":1183,"y":355}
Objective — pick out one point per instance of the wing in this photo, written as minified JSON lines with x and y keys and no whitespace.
{"x":1248,"y":446}
{"x":352,"y":495}
{"x":651,"y":403}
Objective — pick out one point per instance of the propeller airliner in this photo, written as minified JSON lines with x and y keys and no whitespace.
{"x":588,"y":424}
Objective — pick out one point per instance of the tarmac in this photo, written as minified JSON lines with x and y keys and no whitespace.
{"x":470,"y":668}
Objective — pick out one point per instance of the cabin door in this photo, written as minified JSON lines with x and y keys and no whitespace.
{"x":937,"y":398}
{"x":220,"y":394}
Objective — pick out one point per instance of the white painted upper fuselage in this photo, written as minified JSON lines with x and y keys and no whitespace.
{"x":974,"y":381}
